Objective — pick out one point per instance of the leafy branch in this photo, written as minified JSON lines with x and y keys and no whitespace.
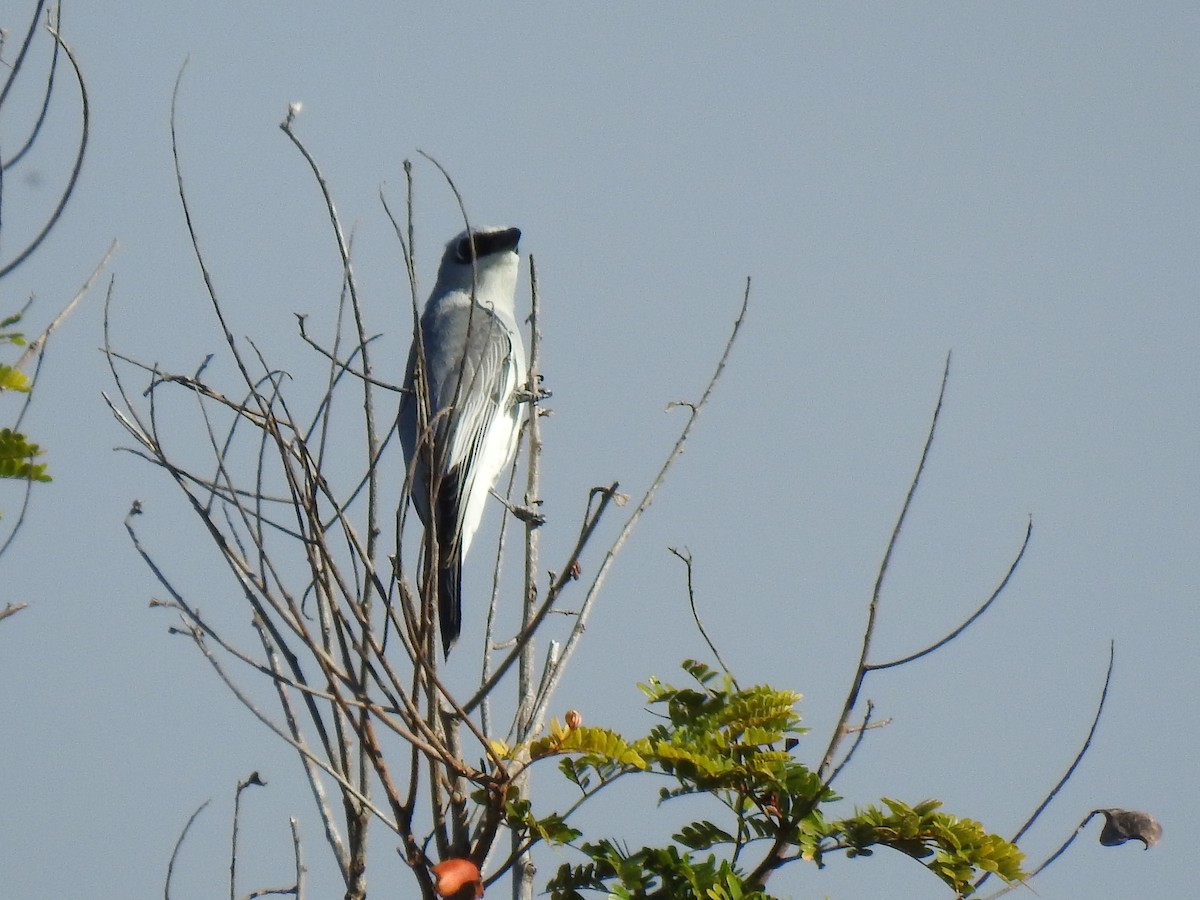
{"x":727,"y":743}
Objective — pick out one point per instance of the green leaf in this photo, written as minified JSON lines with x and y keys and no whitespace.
{"x":957,"y":850}
{"x":11,"y":337}
{"x":702,"y":835}
{"x":12,"y":379}
{"x":735,"y":745}
{"x":698,"y":670}
{"x":552,"y":828}
{"x":598,"y":742}
{"x":16,"y":454}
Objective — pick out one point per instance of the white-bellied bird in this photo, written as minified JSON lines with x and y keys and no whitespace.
{"x":468,"y":360}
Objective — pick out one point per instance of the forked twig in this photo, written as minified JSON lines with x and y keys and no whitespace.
{"x":1087,"y":742}
{"x":37,"y":343}
{"x":85,"y":130}
{"x":25,"y":45}
{"x":873,"y":608}
{"x":875,"y":667}
{"x":860,"y":732}
{"x":36,"y":130}
{"x":826,"y":769}
{"x":610,"y":555}
{"x":686,"y":558}
{"x":252,"y":779}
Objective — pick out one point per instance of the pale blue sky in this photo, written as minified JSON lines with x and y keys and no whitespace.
{"x":1016,"y":182}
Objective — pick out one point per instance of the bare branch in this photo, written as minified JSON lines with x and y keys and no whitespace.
{"x":873,"y":608}
{"x":970,"y":619}
{"x":79,"y":154}
{"x":25,"y":45}
{"x":685,"y":557}
{"x":591,"y":521}
{"x":209,"y":285}
{"x":50,"y":82}
{"x":37,"y":343}
{"x":635,"y":517}
{"x":11,"y":609}
{"x":1087,"y":742}
{"x":178,"y":844}
{"x":16,"y":527}
{"x":252,"y":779}
{"x":860,"y":732}
{"x":299,"y":856}
{"x":526,"y":689}
{"x":1120,"y":826}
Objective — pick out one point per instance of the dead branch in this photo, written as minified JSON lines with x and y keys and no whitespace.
{"x":631,"y":523}
{"x":1046,"y":801}
{"x":81,"y":151}
{"x":178,"y":844}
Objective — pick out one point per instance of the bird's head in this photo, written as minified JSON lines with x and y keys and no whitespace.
{"x":485,"y":258}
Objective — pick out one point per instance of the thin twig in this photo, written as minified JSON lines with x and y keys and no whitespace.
{"x":25,"y":45}
{"x":346,"y":365}
{"x":332,"y":835}
{"x":861,"y":732}
{"x":635,"y":517}
{"x":26,"y":498}
{"x":299,"y":857}
{"x":37,"y":343}
{"x":1087,"y":742}
{"x":298,"y":746}
{"x":178,"y":844}
{"x":522,"y":881}
{"x":252,"y":779}
{"x":685,"y":557}
{"x":79,"y":154}
{"x":873,"y":608}
{"x":11,"y":609}
{"x":591,"y":521}
{"x":205,"y":274}
{"x":874,"y":667}
{"x":36,"y":130}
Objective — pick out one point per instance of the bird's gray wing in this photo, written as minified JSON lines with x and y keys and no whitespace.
{"x":471,"y":392}
{"x":472,"y":363}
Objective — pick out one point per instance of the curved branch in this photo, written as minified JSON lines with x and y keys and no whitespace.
{"x":178,"y":844}
{"x":71,"y":182}
{"x":1087,"y":742}
{"x":50,"y":79}
{"x":363,"y":340}
{"x":16,"y":66}
{"x":635,"y":517}
{"x":873,"y":610}
{"x":873,"y":667}
{"x":685,"y":557}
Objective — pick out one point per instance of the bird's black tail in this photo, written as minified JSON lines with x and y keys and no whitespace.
{"x":450,"y":559}
{"x":450,"y":600}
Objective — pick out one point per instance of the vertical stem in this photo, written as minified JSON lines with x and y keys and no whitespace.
{"x":527,"y":684}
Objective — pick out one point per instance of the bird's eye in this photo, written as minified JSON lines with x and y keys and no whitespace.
{"x":464,"y":251}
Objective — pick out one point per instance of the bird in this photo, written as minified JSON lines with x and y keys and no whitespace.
{"x":468,"y":360}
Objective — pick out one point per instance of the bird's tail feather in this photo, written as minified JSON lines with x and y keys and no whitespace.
{"x":450,"y":601}
{"x":450,"y":558}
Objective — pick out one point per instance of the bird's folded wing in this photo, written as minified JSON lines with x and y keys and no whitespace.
{"x":481,"y":403}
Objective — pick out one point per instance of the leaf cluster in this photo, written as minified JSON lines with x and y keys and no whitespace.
{"x":16,"y":457}
{"x":16,"y":450}
{"x":736,"y":746}
{"x":956,"y":850}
